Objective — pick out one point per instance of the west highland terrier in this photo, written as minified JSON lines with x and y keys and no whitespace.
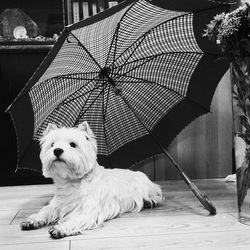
{"x":86,"y":194}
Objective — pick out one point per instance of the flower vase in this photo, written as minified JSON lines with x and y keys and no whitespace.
{"x":240,"y":78}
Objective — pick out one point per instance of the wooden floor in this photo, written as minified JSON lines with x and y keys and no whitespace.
{"x":179,"y":223}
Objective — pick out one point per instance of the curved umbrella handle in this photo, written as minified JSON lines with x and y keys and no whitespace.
{"x":207,"y":204}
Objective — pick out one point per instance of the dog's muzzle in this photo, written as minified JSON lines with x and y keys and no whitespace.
{"x":57,"y":152}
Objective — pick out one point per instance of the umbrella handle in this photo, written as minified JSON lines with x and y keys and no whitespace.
{"x":207,"y":204}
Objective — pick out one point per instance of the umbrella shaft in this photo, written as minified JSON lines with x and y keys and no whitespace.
{"x":166,"y":153}
{"x":202,"y":198}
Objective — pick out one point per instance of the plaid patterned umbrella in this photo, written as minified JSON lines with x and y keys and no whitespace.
{"x":139,"y":68}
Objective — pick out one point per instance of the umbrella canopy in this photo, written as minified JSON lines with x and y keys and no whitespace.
{"x":140,"y":67}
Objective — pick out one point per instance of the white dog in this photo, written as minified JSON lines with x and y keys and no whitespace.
{"x":86,"y":194}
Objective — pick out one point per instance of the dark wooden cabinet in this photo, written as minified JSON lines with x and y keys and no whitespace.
{"x":40,"y":19}
{"x":28,"y":30}
{"x":76,"y":10}
{"x":16,"y":67}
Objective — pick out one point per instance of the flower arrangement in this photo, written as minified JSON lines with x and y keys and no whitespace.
{"x":231,"y":32}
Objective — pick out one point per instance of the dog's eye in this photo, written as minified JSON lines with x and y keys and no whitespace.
{"x":87,"y":137}
{"x":52,"y":144}
{"x":72,"y":144}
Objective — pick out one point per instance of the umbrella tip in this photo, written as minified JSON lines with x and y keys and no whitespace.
{"x":209,"y":206}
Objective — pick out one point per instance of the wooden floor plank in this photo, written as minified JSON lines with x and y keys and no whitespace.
{"x":24,"y":203}
{"x":139,"y":226}
{"x":169,"y":208}
{"x":55,"y":245}
{"x":7,"y":216}
{"x":180,"y":222}
{"x":127,"y":227}
{"x":25,"y":191}
{"x":197,"y":241}
{"x":14,"y":235}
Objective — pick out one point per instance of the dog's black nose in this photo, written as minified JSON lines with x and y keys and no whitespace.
{"x":58,"y":152}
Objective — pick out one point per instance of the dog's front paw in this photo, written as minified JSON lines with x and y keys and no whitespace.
{"x":148,"y":204}
{"x":27,"y":225}
{"x":31,"y":224}
{"x":56,"y":232}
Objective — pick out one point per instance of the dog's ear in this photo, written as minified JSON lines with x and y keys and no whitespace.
{"x":49,"y":128}
{"x":84,"y":126}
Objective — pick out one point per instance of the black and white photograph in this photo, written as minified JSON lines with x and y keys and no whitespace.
{"x":125,"y":124}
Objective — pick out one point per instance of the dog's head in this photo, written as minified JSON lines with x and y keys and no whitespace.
{"x":68,"y":153}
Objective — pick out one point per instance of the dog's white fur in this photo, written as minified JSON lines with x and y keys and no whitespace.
{"x":86,"y":194}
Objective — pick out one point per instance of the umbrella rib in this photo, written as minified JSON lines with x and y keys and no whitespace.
{"x":83,"y":113}
{"x":163,"y":53}
{"x":167,"y":88}
{"x":144,"y":36}
{"x":149,"y":58}
{"x":78,"y":79}
{"x":118,"y":26}
{"x":114,"y":38}
{"x":90,"y":55}
{"x":66,"y":77}
{"x":76,"y":97}
{"x":77,"y":73}
{"x":146,"y":33}
{"x":106,"y":106}
{"x":20,"y":160}
{"x":104,"y":111}
{"x":115,"y":48}
{"x":79,"y":116}
{"x":132,"y":52}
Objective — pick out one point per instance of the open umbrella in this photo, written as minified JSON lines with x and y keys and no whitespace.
{"x":138,"y":73}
